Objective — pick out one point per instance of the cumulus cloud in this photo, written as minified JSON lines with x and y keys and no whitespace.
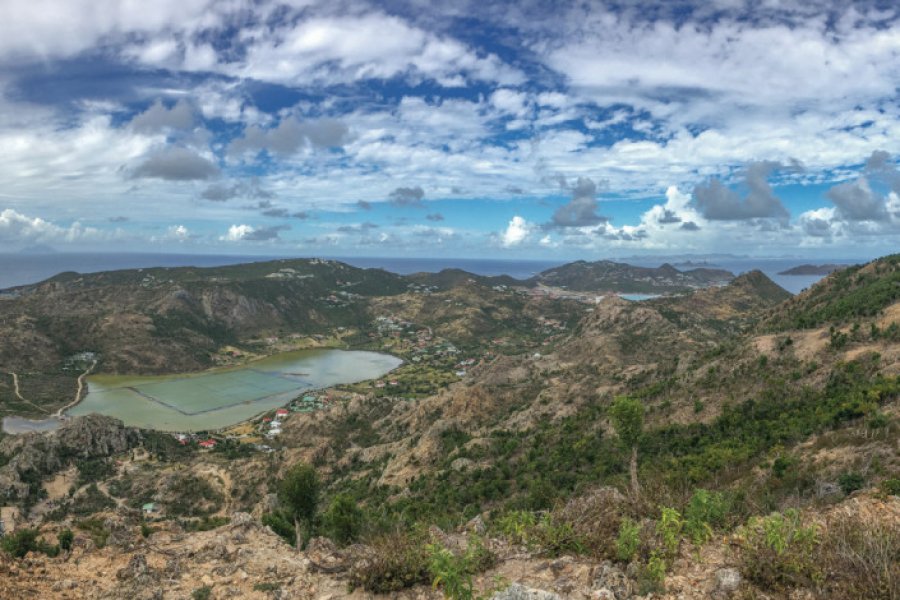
{"x":859,"y":201}
{"x":16,"y":227}
{"x":581,"y":210}
{"x":720,"y":203}
{"x":290,"y":136}
{"x":407,"y":196}
{"x":855,"y":201}
{"x":248,"y":233}
{"x":435,"y":217}
{"x":363,"y":205}
{"x":817,"y":223}
{"x":516,"y":232}
{"x":176,"y":164}
{"x":159,"y":117}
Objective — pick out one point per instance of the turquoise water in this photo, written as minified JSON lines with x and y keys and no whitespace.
{"x":219,"y":398}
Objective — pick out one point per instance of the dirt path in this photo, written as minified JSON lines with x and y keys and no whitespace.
{"x":58,"y":414}
{"x":22,"y":398}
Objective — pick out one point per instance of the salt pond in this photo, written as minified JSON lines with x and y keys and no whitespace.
{"x":223,"y":397}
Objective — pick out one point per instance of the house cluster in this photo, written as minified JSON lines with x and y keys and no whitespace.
{"x":271,"y":426}
{"x":288,"y":273}
{"x":425,"y":290}
{"x":549,"y":325}
{"x":186,"y":439}
{"x":340,"y":298}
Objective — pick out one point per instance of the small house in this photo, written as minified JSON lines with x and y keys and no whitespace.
{"x":208,"y":444}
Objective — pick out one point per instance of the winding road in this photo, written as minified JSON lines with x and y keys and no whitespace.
{"x":20,"y":396}
{"x":59,"y":414}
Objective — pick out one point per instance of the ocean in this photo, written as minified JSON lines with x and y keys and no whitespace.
{"x":23,"y":269}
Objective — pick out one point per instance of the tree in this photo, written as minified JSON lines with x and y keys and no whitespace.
{"x":298,"y":494}
{"x":627,"y":416}
{"x":344,"y":519}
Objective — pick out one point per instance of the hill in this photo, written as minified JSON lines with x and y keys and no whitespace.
{"x":608,"y":276}
{"x":826,"y":269}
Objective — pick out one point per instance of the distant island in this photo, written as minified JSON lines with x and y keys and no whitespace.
{"x":813,"y":269}
{"x":38,"y":249}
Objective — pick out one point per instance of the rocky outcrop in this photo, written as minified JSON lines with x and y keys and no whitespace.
{"x":36,"y":455}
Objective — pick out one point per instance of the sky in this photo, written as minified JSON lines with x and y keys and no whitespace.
{"x":462,"y":128}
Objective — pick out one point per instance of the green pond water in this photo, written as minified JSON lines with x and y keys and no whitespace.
{"x":222,"y":397}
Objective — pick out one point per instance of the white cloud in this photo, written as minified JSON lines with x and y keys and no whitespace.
{"x":179,"y":233}
{"x":516,"y":232}
{"x":237,"y":233}
{"x":17,"y":228}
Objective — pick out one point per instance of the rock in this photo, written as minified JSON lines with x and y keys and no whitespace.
{"x":136,"y":567}
{"x":518,"y":591}
{"x":603,"y":594}
{"x":610,"y":578}
{"x":728,"y":580}
{"x":461,"y":464}
{"x":476,"y":525}
{"x":242,"y":519}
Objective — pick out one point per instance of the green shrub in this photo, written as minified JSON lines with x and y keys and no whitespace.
{"x":517,"y":525}
{"x":556,"y":538}
{"x":891,"y":486}
{"x":21,"y":542}
{"x":628,"y":540}
{"x":669,"y":528}
{"x":344,"y":519}
{"x":652,"y":575}
{"x":450,"y":572}
{"x":778,"y":551}
{"x":95,"y":528}
{"x":65,"y":538}
{"x":851,"y":481}
{"x":454,"y":573}
{"x":281,"y":526}
{"x":202,"y":593}
{"x":704,"y":511}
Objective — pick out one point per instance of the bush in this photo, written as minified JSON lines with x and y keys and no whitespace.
{"x":451,"y":573}
{"x":398,"y":560}
{"x":778,"y":551}
{"x":202,"y":593}
{"x":454,"y":573}
{"x":517,"y":525}
{"x":281,"y":526}
{"x":19,"y":543}
{"x":628,"y":540}
{"x":704,"y":511}
{"x":344,"y":519}
{"x":860,"y":555}
{"x":95,"y":528}
{"x":850,"y":482}
{"x":652,"y":575}
{"x":65,"y":538}
{"x":595,"y":519}
{"x":669,"y":529}
{"x":891,"y":486}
